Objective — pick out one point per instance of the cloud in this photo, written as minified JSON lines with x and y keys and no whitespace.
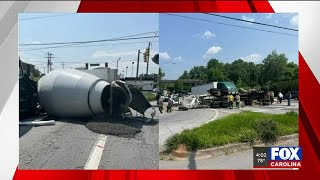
{"x":294,"y":20}
{"x":178,"y":59}
{"x":207,"y":35}
{"x":164,"y":56}
{"x":256,"y":58}
{"x":269,"y":15}
{"x":246,"y":18}
{"x":211,"y":52}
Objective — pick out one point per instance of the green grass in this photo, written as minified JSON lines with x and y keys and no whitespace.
{"x":149,"y":96}
{"x":241,"y":127}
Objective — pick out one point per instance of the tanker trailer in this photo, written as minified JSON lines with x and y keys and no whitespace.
{"x":73,"y":93}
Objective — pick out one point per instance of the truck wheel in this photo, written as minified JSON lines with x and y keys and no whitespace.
{"x":224,"y":104}
{"x":214,"y":105}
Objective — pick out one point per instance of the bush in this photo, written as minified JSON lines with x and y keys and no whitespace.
{"x":267,"y":130}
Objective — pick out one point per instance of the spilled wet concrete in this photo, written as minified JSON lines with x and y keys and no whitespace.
{"x":127,"y":127}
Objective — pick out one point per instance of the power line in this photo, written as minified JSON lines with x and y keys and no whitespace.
{"x":94,"y":41}
{"x":41,"y":17}
{"x":77,"y":45}
{"x":253,"y":22}
{"x":226,"y":24}
{"x":75,"y":62}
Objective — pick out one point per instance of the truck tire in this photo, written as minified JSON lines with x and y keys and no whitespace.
{"x":214,"y":104}
{"x":224,"y":104}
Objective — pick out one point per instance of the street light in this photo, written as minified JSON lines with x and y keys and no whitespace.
{"x":127,"y":71}
{"x":118,"y":61}
{"x":132,"y":69}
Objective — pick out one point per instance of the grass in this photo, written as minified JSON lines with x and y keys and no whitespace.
{"x":241,"y":127}
{"x":150,"y":96}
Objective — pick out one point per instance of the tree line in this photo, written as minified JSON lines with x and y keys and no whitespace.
{"x":275,"y":72}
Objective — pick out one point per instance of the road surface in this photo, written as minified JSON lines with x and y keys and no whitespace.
{"x":70,"y":145}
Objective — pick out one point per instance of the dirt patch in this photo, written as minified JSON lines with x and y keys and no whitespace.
{"x":114,"y":126}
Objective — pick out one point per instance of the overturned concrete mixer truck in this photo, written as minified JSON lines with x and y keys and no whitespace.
{"x":74,"y":93}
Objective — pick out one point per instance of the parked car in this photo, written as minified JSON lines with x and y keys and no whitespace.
{"x":294,"y":95}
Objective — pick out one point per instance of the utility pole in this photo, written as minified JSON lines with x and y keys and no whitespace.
{"x":138,"y":65}
{"x":148,"y":57}
{"x":118,"y":61}
{"x":49,"y":57}
{"x":132,"y":69}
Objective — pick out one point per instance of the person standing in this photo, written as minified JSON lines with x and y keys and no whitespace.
{"x":161,"y":104}
{"x":170,"y":102}
{"x":230,"y":100}
{"x":271,"y":97}
{"x":280,"y":96}
{"x":289,"y":99}
{"x":237,"y":99}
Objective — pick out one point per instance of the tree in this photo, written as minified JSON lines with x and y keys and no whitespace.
{"x":215,"y":74}
{"x":273,"y":70}
{"x":185,"y":75}
{"x":162,"y":74}
{"x":274,"y":67}
{"x":238,"y":69}
{"x":178,"y":85}
{"x":214,"y":63}
{"x":198,"y":72}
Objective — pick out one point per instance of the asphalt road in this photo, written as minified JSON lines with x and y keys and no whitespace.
{"x":70,"y":145}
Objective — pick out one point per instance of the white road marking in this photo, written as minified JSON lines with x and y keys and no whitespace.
{"x":217,"y":114}
{"x":96,"y":153}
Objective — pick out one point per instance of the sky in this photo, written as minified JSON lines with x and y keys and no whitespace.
{"x":55,"y":27}
{"x":185,"y":43}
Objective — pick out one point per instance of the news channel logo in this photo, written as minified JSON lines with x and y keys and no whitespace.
{"x":277,"y":157}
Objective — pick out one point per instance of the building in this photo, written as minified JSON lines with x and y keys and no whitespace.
{"x":29,"y":69}
{"x":103,"y":73}
{"x":96,"y":65}
{"x":143,"y":83}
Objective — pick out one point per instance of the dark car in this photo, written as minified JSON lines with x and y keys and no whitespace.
{"x":294,"y":95}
